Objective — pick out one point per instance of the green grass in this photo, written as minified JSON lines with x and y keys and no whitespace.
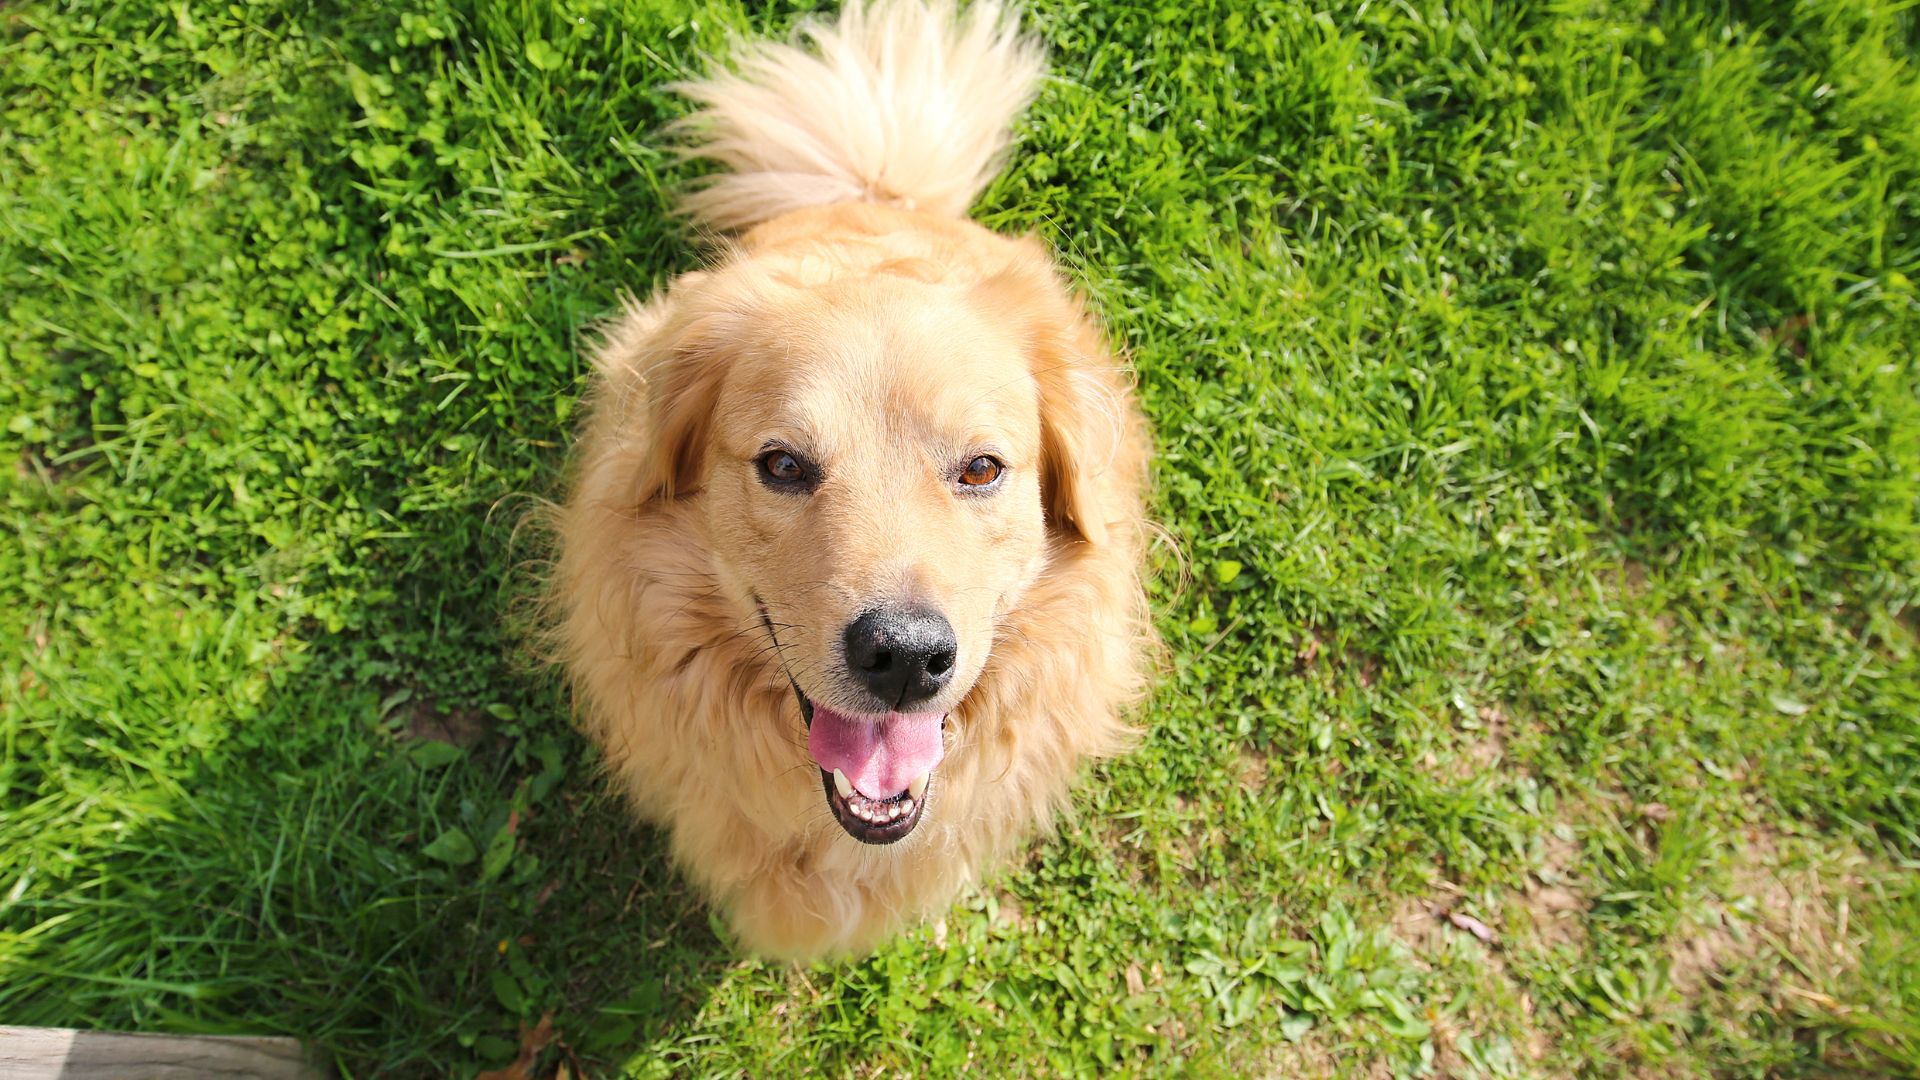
{"x":1538,"y":412}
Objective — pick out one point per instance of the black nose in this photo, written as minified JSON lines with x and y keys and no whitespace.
{"x":904,"y":656}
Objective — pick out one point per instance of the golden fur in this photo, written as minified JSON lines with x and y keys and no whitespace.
{"x":861,"y":314}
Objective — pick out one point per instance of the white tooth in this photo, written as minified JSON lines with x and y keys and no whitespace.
{"x":842,"y":785}
{"x":918,"y":787}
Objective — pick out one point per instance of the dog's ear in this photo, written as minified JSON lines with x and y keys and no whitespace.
{"x":670,"y":365}
{"x":1083,"y":416}
{"x":681,"y":393}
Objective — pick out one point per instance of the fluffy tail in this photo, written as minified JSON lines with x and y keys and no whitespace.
{"x":904,"y":102}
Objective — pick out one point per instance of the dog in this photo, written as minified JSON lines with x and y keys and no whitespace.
{"x":849,"y":573}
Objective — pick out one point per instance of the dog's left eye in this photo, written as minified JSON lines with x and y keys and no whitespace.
{"x":784,"y":468}
{"x":980,"y":472}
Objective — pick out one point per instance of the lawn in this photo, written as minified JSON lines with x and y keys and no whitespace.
{"x":1539,"y":443}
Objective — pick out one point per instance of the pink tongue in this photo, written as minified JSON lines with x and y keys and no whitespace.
{"x":881,"y":755}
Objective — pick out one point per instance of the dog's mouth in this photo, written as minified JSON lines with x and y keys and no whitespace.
{"x":877,"y":771}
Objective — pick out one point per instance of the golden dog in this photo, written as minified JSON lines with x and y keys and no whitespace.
{"x":848,"y":583}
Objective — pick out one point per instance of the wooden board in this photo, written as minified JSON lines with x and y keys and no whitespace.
{"x":28,"y":1053}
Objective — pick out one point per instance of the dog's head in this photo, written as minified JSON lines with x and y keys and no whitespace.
{"x":884,"y":464}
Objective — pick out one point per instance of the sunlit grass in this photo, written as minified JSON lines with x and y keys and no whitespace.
{"x":1537,"y":410}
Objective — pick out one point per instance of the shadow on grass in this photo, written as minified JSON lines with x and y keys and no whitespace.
{"x":406,"y":904}
{"x":312,"y":859}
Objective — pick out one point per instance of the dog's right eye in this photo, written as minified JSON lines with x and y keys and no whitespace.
{"x":783,"y":468}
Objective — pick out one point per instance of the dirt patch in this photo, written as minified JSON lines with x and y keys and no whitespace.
{"x":1488,"y":746}
{"x":1633,"y":576}
{"x":1481,"y":745}
{"x":1787,"y":334}
{"x":1253,"y":769}
{"x":1632,"y":586}
{"x":1549,"y":912}
{"x":1496,"y":933}
{"x":1774,"y":904}
{"x":1313,"y":648}
{"x":1554,"y":904}
{"x":1444,"y":929}
{"x":1009,"y":911}
{"x":1322,"y":1052}
{"x":464,"y":728}
{"x":1420,"y":922}
{"x":1774,"y":944}
{"x":1556,"y":916}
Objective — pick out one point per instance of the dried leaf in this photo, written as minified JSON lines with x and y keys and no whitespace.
{"x":1136,"y":984}
{"x":1369,"y":671}
{"x":532,"y":1041}
{"x":1472,"y":926}
{"x":1308,"y":651}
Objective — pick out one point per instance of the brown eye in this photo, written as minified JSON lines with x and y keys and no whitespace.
{"x":780,"y":466}
{"x":980,"y":472}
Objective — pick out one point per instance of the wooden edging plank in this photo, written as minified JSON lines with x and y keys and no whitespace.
{"x":30,"y":1053}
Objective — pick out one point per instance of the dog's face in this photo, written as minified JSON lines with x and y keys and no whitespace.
{"x":871,"y":473}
